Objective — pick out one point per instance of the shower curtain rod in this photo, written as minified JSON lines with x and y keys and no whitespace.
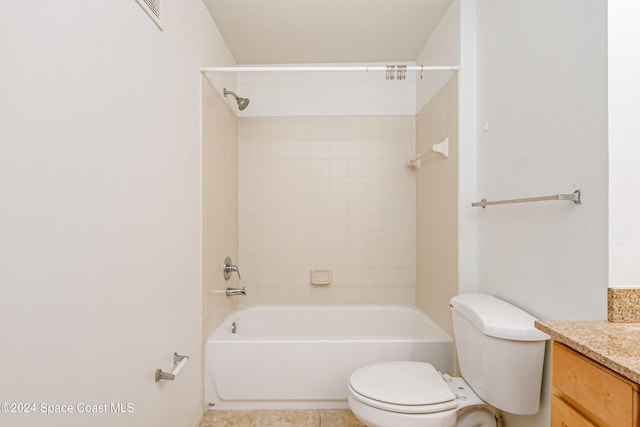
{"x":241,"y":69}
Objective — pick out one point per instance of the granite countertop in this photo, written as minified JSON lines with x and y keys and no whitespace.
{"x":614,"y":345}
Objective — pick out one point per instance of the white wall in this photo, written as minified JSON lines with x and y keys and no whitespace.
{"x":543,"y":95}
{"x":100,"y":265}
{"x":311,"y":93}
{"x":467,"y":124}
{"x":542,"y":90}
{"x":442,"y":48}
{"x":624,"y":150}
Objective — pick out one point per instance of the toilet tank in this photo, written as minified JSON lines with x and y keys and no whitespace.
{"x":500,"y":352}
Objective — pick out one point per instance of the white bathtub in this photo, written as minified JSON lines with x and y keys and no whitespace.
{"x":302,"y":356}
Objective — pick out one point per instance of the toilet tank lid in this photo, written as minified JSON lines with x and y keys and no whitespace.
{"x":497,"y":318}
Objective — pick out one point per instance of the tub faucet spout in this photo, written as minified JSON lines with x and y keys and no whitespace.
{"x":236,"y":291}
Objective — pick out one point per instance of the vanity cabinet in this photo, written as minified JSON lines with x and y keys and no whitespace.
{"x":588,"y":394}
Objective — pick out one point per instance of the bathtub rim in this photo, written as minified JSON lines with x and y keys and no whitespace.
{"x":222,"y":332}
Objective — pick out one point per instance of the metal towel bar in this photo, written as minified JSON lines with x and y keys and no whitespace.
{"x":573,"y":197}
{"x":178,"y":363}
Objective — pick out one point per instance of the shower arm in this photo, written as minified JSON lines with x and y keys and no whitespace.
{"x":242,"y":102}
{"x":229,"y":92}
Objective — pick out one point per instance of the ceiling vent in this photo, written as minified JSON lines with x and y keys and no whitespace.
{"x":152,"y":8}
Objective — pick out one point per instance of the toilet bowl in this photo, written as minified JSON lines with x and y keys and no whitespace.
{"x":500,"y":353}
{"x":414,"y":394}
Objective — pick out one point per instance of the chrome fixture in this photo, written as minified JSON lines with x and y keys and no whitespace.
{"x":573,"y":197}
{"x":230,"y":268}
{"x":234,"y":328}
{"x":242,"y":102}
{"x":236,"y":291}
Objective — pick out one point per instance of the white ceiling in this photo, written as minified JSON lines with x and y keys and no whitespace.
{"x":326,"y":31}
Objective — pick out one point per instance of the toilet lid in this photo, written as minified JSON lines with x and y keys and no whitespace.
{"x":403,"y":383}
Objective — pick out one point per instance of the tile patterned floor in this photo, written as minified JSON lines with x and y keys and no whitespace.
{"x":281,"y":418}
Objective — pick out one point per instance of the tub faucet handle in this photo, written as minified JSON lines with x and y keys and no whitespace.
{"x":230,"y":268}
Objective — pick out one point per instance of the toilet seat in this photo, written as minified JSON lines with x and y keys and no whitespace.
{"x":404,"y":387}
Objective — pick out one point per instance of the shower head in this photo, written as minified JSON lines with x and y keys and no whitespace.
{"x":242,"y":102}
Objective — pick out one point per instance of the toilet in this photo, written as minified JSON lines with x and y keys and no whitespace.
{"x":500,"y":354}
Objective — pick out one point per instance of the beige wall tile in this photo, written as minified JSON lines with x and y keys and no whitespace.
{"x":437,"y":206}
{"x":327,"y":193}
{"x":220,"y":205}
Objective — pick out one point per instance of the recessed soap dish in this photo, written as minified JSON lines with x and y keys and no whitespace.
{"x":320,"y":277}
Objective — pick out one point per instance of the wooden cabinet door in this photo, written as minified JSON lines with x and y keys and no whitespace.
{"x":604,"y":396}
{"x":564,"y":415}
